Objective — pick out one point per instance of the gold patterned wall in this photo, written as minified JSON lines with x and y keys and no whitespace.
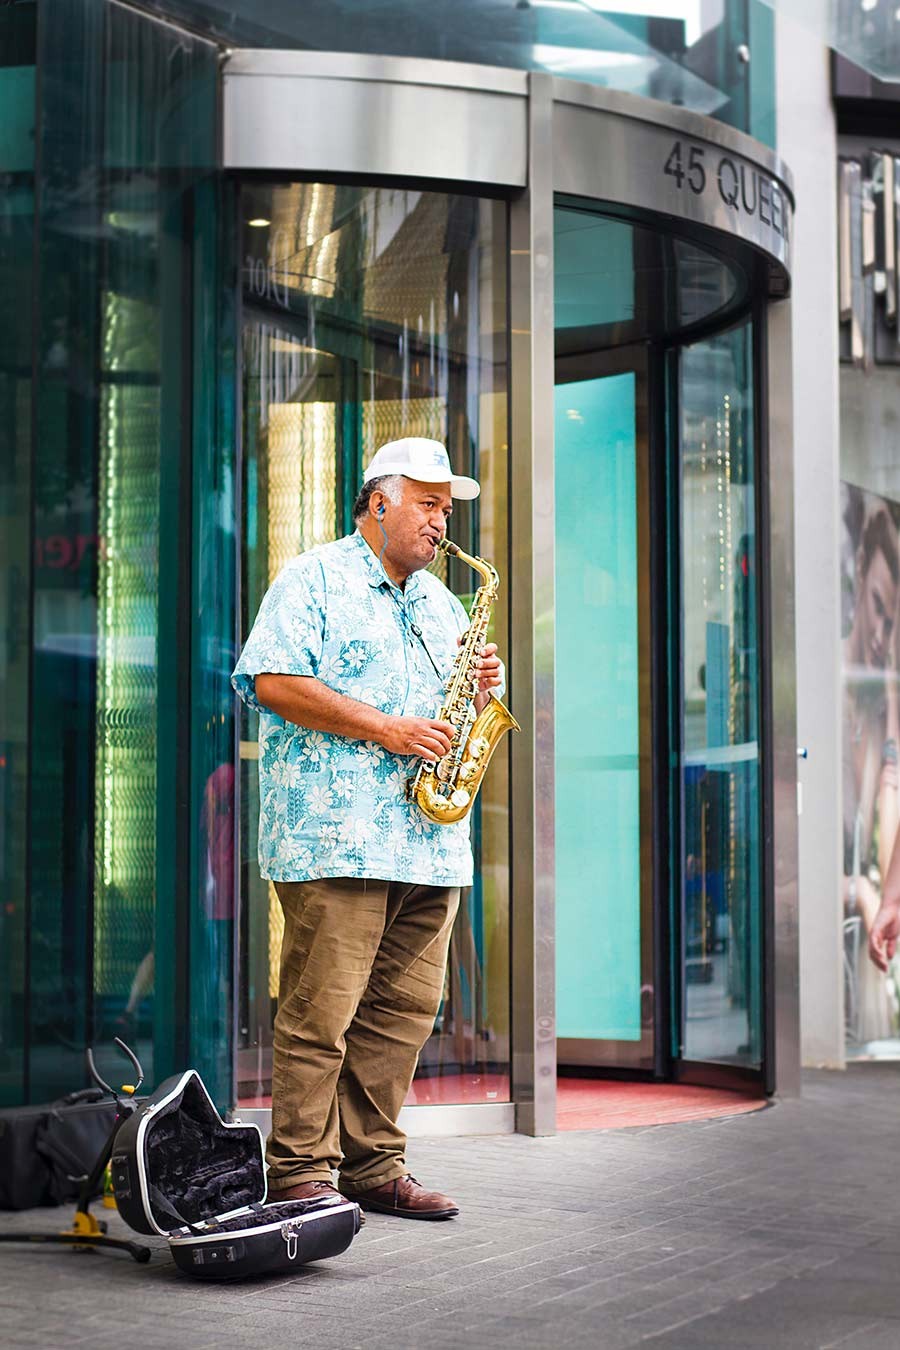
{"x":299,"y":443}
{"x":388,"y":419}
{"x":301,"y":479}
{"x":125,"y":786}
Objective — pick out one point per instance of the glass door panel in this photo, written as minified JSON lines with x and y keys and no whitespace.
{"x":720,"y":903}
{"x":371,"y":314}
{"x":604,"y":927}
{"x":291,"y":503}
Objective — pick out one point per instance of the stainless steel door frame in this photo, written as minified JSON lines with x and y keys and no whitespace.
{"x":783,"y":897}
{"x":532,"y":591}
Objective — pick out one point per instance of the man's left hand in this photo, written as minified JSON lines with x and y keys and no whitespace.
{"x":488,"y":668}
{"x":490,"y":672}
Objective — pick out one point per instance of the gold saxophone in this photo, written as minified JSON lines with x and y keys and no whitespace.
{"x":446,"y":789}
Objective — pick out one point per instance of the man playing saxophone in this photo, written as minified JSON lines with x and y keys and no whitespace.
{"x":347,"y":664}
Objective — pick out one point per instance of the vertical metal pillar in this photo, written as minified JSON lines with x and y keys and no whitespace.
{"x":784,"y":963}
{"x":532,"y":627}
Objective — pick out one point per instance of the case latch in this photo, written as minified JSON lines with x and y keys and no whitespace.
{"x":291,"y":1234}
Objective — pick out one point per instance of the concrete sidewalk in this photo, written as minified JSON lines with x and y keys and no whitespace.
{"x":772,"y":1230}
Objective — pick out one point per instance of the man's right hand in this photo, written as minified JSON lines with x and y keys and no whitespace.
{"x":309,"y":703}
{"x":421,"y":736}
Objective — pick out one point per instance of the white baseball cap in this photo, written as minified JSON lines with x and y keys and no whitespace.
{"x":424,"y":461}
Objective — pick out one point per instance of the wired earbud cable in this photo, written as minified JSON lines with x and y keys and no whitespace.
{"x":414,"y":627}
{"x":384,"y":537}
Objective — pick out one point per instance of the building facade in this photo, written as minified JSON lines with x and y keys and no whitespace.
{"x":837,"y":125}
{"x":239,"y":253}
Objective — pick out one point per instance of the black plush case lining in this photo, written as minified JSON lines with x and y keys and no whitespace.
{"x":202,"y":1166}
{"x":194,"y":1166}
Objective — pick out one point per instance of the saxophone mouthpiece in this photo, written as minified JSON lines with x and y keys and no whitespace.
{"x":448,"y":546}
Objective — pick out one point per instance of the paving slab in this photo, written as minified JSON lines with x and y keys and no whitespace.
{"x":769,"y":1231}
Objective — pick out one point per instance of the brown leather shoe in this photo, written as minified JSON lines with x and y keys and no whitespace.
{"x":308,"y":1190}
{"x":407,"y":1198}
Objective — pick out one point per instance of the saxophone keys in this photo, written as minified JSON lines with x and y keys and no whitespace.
{"x":460,"y":797}
{"x":477,"y":747}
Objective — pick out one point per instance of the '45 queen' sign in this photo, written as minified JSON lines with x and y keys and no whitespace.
{"x":738,"y":185}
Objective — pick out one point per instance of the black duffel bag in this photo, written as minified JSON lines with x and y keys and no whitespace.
{"x":47,"y":1151}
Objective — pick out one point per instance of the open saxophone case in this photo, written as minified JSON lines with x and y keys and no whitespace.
{"x":180,"y":1170}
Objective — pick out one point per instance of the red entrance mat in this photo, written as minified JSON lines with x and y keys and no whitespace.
{"x":585,"y":1103}
{"x":599,"y":1104}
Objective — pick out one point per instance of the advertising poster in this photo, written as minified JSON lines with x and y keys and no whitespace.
{"x":870,"y":596}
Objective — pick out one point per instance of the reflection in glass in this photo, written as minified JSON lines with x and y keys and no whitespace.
{"x":371,"y":314}
{"x":17,"y":39}
{"x":686,"y":52}
{"x":121,"y":151}
{"x":616,"y":283}
{"x":870,"y":421}
{"x":865,"y":32}
{"x":593,"y":271}
{"x":720,"y":771}
{"x":705,"y":283}
{"x":64,"y":504}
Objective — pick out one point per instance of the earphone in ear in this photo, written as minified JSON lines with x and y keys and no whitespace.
{"x":380,"y":511}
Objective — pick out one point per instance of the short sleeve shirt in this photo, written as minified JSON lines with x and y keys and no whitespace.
{"x":331,"y":806}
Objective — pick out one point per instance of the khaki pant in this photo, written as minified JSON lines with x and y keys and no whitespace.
{"x":362,"y":974}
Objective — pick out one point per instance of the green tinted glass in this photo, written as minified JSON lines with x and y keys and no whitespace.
{"x":121,"y":896}
{"x":698,"y":55}
{"x":721,"y":920}
{"x":17,"y":116}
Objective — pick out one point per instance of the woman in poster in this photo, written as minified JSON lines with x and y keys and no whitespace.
{"x":871,"y":729}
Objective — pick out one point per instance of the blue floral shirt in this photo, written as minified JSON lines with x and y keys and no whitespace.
{"x":331,"y":806}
